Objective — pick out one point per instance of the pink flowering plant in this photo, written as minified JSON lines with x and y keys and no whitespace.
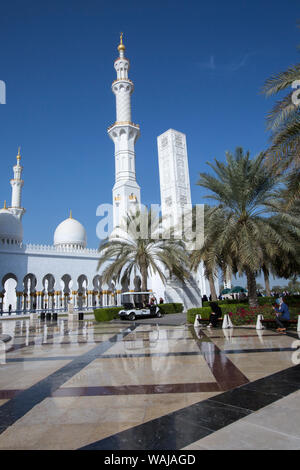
{"x":243,"y":314}
{"x":248,"y":315}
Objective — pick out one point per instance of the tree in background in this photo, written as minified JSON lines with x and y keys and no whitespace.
{"x":283,"y":122}
{"x":240,"y":233}
{"x":139,"y":249}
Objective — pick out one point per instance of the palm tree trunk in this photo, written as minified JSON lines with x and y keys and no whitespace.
{"x":251,"y":286}
{"x":144,"y":274}
{"x":212,"y":287}
{"x":267,"y":282}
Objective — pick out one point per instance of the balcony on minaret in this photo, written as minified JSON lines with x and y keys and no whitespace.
{"x":122,"y":66}
{"x":123,"y":123}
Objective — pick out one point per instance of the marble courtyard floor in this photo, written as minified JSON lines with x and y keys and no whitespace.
{"x":150,"y":387}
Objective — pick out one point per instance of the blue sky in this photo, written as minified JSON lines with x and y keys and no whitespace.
{"x":197,"y":66}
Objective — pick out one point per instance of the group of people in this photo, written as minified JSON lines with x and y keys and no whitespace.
{"x":281,"y":314}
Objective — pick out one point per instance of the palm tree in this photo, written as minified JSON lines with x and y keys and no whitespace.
{"x":284,"y":119}
{"x":241,"y":234}
{"x":293,"y":285}
{"x":284,"y":123}
{"x":139,"y":247}
{"x":266,"y":279}
{"x":206,"y":254}
{"x":196,"y":258}
{"x":286,"y":217}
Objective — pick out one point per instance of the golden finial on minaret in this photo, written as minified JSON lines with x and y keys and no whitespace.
{"x":19,"y":155}
{"x":70,"y":217}
{"x":121,"y":46}
{"x":4,"y":206}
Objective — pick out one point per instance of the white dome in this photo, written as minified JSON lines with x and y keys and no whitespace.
{"x":70,"y":232}
{"x":10,"y":227}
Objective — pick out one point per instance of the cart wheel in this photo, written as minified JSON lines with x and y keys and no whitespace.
{"x":131,"y":316}
{"x":159,"y":315}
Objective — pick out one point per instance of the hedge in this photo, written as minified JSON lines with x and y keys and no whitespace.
{"x":170,"y":308}
{"x":290,"y":300}
{"x":225,"y":302}
{"x":106,"y":314}
{"x":206,"y":311}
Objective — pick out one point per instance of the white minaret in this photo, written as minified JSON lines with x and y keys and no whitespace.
{"x":175,"y":195}
{"x":175,"y":190}
{"x":17,"y":185}
{"x":124,"y":133}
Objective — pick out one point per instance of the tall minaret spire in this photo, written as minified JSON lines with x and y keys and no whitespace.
{"x":17,"y":185}
{"x":124,"y":133}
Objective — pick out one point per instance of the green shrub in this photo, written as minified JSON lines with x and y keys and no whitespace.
{"x":192,"y":312}
{"x":206,"y":311}
{"x":170,"y":308}
{"x":178,"y":307}
{"x":266,"y":300}
{"x":106,"y":313}
{"x":290,"y":300}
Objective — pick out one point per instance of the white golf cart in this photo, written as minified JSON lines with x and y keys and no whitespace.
{"x":136,"y":308}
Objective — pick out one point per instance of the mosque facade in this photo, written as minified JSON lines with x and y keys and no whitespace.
{"x":42,"y":277}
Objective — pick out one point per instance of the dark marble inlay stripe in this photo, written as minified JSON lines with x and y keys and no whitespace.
{"x":170,"y":354}
{"x":187,"y":425}
{"x":136,"y":355}
{"x":23,"y":402}
{"x":262,"y":350}
{"x":8,"y":394}
{"x":41,"y":359}
{"x":242,"y":336}
{"x":136,"y":389}
{"x":52,"y":343}
{"x":105,"y":356}
{"x":16,"y":347}
{"x":225,"y":372}
{"x":291,"y":334}
{"x":159,"y":339}
{"x":73,"y":335}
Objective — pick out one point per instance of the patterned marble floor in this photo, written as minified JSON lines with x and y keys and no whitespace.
{"x":148,"y":387}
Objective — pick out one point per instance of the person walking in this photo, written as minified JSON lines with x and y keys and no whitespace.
{"x":9,"y":309}
{"x":216,"y":313}
{"x":282,"y":313}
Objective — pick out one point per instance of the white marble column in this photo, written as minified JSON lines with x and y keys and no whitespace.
{"x":1,"y":303}
{"x":19,"y":301}
{"x":75,"y":301}
{"x":39,"y":300}
{"x":104,"y":298}
{"x":119,"y":292}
